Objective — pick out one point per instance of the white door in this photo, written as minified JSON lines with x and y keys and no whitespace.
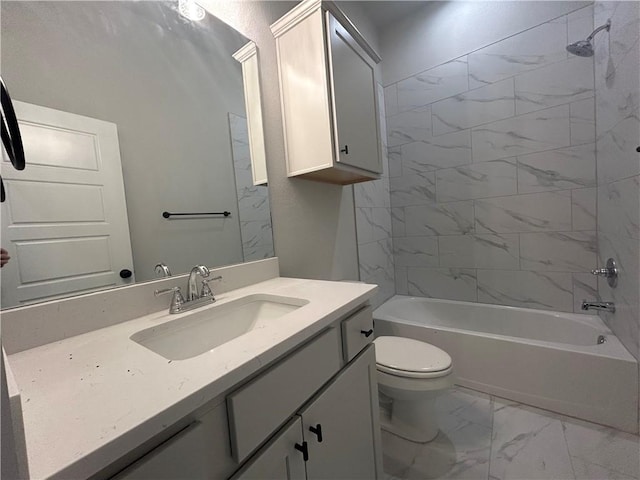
{"x":64,"y":221}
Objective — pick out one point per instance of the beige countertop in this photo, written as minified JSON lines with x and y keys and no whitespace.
{"x":89,"y":399}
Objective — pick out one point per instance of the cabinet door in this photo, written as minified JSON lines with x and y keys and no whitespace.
{"x":354,"y":101}
{"x":346,"y":413}
{"x":279,"y":459}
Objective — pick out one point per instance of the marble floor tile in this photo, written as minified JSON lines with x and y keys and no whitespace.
{"x":488,"y":438}
{"x":527,"y":444}
{"x":601,"y":450}
{"x":398,"y":454}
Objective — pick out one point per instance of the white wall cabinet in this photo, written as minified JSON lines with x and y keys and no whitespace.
{"x":312,"y":415}
{"x":328,"y":93}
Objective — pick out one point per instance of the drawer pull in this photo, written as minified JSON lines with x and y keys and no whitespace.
{"x":367,"y":333}
{"x":303,"y":448}
{"x":318,"y":431}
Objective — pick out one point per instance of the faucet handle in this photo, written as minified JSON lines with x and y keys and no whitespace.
{"x":176,"y":301}
{"x":206,"y":290}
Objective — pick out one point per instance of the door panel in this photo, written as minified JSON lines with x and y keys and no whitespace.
{"x":64,"y":222}
{"x":354,"y":101}
{"x":278,"y":460}
{"x":345,"y":412}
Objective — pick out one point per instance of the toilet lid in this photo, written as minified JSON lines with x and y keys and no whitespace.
{"x":400,"y":354}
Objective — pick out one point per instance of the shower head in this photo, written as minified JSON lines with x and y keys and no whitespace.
{"x":581,"y":48}
{"x":584,"y":48}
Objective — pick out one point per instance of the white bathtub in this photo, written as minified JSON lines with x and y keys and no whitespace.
{"x":546,"y":359}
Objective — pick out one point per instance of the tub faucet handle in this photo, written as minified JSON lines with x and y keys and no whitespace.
{"x":610,"y":272}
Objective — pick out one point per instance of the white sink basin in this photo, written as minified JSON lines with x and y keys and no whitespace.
{"x":193,"y":333}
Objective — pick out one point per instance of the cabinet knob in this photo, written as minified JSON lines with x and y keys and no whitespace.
{"x":367,"y":333}
{"x":345,"y":150}
{"x":304,"y":449}
{"x":318,"y":431}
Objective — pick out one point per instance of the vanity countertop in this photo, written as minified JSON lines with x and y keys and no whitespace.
{"x":89,"y":399}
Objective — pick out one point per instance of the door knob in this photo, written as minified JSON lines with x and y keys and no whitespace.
{"x":125,"y":273}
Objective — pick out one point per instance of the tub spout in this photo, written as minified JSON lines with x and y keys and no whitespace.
{"x":606,"y":306}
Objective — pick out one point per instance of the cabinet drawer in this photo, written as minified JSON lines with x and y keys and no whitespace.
{"x":258,"y":408}
{"x":357,"y":332}
{"x":175,"y":458}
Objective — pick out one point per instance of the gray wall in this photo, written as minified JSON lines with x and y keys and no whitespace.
{"x":492,"y":166}
{"x":168,"y":86}
{"x":617,"y":79}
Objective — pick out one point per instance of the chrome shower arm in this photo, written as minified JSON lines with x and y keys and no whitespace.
{"x":606,"y":26}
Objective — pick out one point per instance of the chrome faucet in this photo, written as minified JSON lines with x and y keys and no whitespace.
{"x":194,"y":298}
{"x":162,"y":270}
{"x":192,"y":286}
{"x":606,"y":306}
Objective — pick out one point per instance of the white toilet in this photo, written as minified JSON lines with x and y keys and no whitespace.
{"x":412,"y":374}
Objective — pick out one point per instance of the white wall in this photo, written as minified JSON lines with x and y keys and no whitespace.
{"x":313,"y":223}
{"x":442,"y":31}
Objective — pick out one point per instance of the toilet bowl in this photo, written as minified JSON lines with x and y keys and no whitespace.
{"x":411,"y":374}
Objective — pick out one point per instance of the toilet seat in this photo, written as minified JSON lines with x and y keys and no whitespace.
{"x":409,"y":358}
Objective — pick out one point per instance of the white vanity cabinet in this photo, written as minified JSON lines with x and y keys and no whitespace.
{"x":328,"y":93}
{"x":311,"y":415}
{"x":336,"y":434}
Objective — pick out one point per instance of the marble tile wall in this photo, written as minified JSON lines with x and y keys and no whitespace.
{"x":617,"y":95}
{"x":373,"y":211}
{"x":253,"y":201}
{"x":493,"y":179}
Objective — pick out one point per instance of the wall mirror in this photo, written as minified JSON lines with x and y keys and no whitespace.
{"x":127,"y":110}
